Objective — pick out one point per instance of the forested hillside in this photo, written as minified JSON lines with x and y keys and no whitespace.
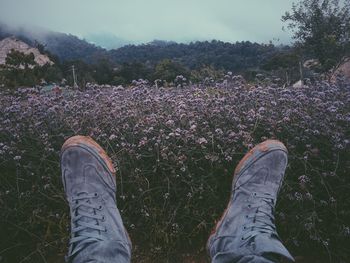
{"x":236,"y":57}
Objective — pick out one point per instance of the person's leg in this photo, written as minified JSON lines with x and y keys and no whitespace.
{"x":97,"y":230}
{"x":246,"y":232}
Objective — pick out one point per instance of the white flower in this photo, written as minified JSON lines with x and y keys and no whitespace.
{"x":202,"y":141}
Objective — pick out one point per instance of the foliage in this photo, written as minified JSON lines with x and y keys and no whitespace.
{"x":69,"y":47}
{"x":18,"y":69}
{"x":83,"y":71}
{"x":21,"y":70}
{"x":16,"y":59}
{"x":12,"y":77}
{"x":131,"y":71}
{"x":284,"y":65}
{"x":199,"y":75}
{"x":322,"y":27}
{"x":103,"y":71}
{"x":235,"y":57}
{"x":175,"y":151}
{"x":168,"y":70}
{"x":49,"y":73}
{"x":125,"y":64}
{"x":282,"y":61}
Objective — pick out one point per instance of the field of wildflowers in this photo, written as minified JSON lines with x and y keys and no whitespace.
{"x":175,"y":150}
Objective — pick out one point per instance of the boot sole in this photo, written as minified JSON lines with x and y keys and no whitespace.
{"x":248,"y":159}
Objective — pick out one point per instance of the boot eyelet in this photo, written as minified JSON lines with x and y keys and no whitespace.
{"x":96,"y":194}
{"x":100,"y":207}
{"x":103,"y":218}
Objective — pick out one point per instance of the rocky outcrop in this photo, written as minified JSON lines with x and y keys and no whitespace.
{"x":343,"y":70}
{"x":11,"y":43}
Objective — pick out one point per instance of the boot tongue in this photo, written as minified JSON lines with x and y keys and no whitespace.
{"x":271,"y":245}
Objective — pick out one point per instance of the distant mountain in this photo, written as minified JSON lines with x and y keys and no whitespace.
{"x":236,"y":57}
{"x":107,"y":41}
{"x":64,"y":46}
{"x":69,"y":47}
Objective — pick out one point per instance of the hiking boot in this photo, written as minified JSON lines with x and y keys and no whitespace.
{"x":97,"y":231}
{"x":246,"y":231}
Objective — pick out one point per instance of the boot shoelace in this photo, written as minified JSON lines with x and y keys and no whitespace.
{"x":261,"y":218}
{"x":85,"y":222}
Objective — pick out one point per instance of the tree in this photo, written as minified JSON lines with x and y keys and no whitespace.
{"x":18,"y":59}
{"x":322,"y":29}
{"x":168,"y":70}
{"x":18,"y":70}
{"x":50,"y":73}
{"x":21,"y":70}
{"x":206,"y":72}
{"x":103,"y":72}
{"x":83,"y":71}
{"x":132,"y":71}
{"x":284,"y":65}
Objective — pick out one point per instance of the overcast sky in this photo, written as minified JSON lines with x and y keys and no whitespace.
{"x":146,"y":20}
